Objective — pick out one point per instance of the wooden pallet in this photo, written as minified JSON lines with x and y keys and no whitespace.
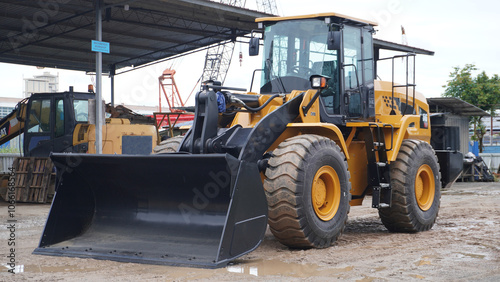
{"x":34,"y":179}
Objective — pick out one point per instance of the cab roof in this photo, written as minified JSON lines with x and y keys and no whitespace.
{"x":317,"y":16}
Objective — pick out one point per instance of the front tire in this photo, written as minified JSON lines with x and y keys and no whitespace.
{"x":308,"y":192}
{"x":169,"y":145}
{"x":415,"y":183}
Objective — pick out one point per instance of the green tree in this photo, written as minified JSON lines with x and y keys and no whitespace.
{"x":8,"y":150}
{"x":481,"y":91}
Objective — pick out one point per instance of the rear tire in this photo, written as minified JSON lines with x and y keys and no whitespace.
{"x":168,"y":146}
{"x":308,"y":192}
{"x":415,"y":183}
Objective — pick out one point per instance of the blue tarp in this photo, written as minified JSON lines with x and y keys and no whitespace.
{"x":474,"y":147}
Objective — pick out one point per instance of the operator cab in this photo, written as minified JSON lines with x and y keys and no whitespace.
{"x":51,"y":122}
{"x":297,"y":47}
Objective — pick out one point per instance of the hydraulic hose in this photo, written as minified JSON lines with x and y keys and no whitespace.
{"x":254,"y":109}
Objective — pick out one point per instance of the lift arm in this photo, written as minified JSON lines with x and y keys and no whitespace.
{"x":13,"y":124}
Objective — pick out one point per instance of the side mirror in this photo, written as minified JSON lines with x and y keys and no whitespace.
{"x":253,"y":48}
{"x":333,"y":40}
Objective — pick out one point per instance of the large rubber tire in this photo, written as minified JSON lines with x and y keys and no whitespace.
{"x":416,"y":184}
{"x":308,"y":192}
{"x":168,"y":146}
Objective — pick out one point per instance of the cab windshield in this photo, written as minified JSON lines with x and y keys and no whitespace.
{"x":295,"y":50}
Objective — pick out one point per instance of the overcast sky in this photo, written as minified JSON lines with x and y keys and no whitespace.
{"x":459,"y":32}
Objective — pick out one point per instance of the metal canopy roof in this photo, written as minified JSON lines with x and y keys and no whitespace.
{"x":386,"y":45}
{"x":455,"y":106}
{"x":58,"y":34}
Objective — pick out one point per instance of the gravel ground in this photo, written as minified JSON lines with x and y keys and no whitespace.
{"x":464,"y":245}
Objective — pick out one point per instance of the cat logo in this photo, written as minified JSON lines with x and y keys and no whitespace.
{"x":3,"y":132}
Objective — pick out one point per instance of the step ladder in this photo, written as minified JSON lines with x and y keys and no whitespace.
{"x":379,"y":168}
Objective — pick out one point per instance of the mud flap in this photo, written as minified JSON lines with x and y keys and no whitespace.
{"x":175,"y":209}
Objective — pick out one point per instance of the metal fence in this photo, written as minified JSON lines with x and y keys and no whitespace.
{"x":492,"y":160}
{"x":6,"y":161}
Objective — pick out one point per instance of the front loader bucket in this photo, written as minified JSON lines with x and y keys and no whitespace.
{"x":175,"y":209}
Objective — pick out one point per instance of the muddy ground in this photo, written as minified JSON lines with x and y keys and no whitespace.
{"x":464,"y":245}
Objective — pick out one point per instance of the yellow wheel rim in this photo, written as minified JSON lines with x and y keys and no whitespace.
{"x":325,"y":193}
{"x":424,"y":187}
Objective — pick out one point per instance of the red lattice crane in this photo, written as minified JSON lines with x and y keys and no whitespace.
{"x":169,"y":89}
{"x":175,"y":114}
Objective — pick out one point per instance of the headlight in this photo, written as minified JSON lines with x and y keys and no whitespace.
{"x":318,"y":81}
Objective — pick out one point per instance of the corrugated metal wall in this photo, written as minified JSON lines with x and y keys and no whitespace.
{"x":6,"y":161}
{"x":463,"y":123}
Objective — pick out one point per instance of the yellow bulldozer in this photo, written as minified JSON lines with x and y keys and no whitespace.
{"x":59,"y":122}
{"x":321,"y":135}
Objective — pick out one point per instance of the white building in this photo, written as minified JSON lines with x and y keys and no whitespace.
{"x":7,"y":105}
{"x":41,"y":83}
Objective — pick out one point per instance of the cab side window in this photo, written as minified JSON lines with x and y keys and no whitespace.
{"x":81,"y":108}
{"x":352,"y":57}
{"x":39,"y":120}
{"x":59,"y":117}
{"x":368,"y":56}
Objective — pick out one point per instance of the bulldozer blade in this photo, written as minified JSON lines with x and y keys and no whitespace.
{"x":199,"y":210}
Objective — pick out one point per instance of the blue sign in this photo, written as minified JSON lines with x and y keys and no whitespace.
{"x":100,"y":46}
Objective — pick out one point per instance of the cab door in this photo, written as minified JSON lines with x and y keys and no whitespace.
{"x":38,"y":130}
{"x":358,"y":72}
{"x":62,"y":129}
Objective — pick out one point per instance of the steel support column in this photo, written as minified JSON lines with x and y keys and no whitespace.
{"x":112,"y":73}
{"x":98,"y":75}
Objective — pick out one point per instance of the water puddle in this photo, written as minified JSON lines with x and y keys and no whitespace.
{"x":257,"y":268}
{"x":423,"y":262}
{"x":473,"y":255}
{"x":426,"y":260}
{"x":381,"y":268}
{"x":276,"y":267}
{"x":367,"y":279}
{"x":17,"y":268}
{"x":43,"y":269}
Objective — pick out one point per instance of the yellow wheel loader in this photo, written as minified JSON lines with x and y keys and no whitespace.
{"x":321,"y":136}
{"x":59,"y":122}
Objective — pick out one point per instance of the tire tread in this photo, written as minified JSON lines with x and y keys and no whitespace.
{"x":168,"y":146}
{"x":286,"y":216}
{"x":401,"y":217}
